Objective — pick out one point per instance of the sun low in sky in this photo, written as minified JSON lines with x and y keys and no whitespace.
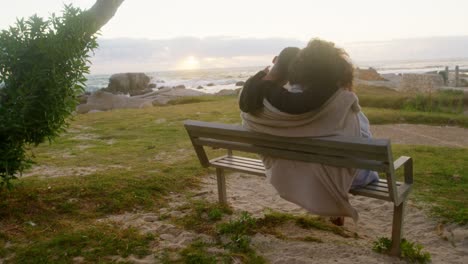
{"x":189,"y":63}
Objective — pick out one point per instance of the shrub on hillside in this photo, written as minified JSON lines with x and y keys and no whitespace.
{"x":42,"y":67}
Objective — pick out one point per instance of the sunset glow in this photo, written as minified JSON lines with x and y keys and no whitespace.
{"x":189,"y":63}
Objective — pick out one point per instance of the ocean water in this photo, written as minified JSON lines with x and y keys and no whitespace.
{"x":214,"y":80}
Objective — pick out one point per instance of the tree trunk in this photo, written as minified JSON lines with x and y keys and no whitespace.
{"x":100,"y":13}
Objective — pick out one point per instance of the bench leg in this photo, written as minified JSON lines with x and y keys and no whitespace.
{"x":397,"y":228}
{"x":221,"y":180}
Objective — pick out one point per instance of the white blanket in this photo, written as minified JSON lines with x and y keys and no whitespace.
{"x":320,"y":189}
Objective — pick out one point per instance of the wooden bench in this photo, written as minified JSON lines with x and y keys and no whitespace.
{"x":351,"y":152}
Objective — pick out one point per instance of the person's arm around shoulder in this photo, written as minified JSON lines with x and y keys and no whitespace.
{"x":251,"y":95}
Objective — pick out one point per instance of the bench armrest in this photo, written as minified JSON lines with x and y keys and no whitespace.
{"x":408,"y":167}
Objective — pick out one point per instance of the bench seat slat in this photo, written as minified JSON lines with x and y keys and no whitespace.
{"x":247,"y":159}
{"x":235,"y":163}
{"x":257,"y":162}
{"x":383,"y":183}
{"x":240,"y":161}
{"x":371,"y":193}
{"x":375,"y":190}
{"x":238,"y":168}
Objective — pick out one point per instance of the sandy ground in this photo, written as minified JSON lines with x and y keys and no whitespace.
{"x":447,"y":244}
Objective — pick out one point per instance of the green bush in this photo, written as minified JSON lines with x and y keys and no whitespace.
{"x":42,"y":67}
{"x":410,"y":251}
{"x":442,"y":101}
{"x":448,"y":101}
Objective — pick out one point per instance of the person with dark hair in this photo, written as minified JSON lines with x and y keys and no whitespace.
{"x":321,"y":100}
{"x":269,"y":84}
{"x":281,"y":63}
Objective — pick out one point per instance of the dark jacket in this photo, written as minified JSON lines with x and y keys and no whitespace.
{"x":256,"y":89}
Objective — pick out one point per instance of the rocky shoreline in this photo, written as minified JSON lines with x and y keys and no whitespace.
{"x":134,"y":90}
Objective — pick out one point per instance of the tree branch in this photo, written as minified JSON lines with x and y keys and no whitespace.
{"x":100,"y":13}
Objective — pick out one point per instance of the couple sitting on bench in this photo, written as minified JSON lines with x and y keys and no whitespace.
{"x":308,"y":93}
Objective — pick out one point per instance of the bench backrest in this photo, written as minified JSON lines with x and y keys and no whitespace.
{"x":340,"y":151}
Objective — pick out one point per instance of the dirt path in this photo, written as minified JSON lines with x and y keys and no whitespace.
{"x":422,"y":134}
{"x":447,"y":244}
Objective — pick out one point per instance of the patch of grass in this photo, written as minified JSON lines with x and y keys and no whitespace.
{"x":410,"y":251}
{"x":239,"y":231}
{"x":312,"y":239}
{"x":244,"y":225}
{"x":444,"y":101}
{"x":197,"y":99}
{"x":273,"y":219}
{"x":203,"y":215}
{"x":3,"y":243}
{"x":94,"y":244}
{"x":308,"y":222}
{"x":204,"y":218}
{"x":381,"y":116}
{"x":441,"y":101}
{"x":196,"y":253}
{"x":199,"y":253}
{"x":440,"y":179}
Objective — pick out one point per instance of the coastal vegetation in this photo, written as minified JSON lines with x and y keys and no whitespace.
{"x":410,"y":251}
{"x":442,"y":101}
{"x":109,"y":163}
{"x":42,"y":67}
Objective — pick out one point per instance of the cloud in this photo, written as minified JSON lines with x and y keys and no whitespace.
{"x":123,"y":55}
{"x":116,"y":55}
{"x":410,"y":49}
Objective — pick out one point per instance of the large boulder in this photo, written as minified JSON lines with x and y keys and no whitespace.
{"x":128,"y":83}
{"x":163,"y":96}
{"x":104,"y":101}
{"x":83,"y":99}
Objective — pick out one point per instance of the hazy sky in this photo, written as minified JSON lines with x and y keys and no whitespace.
{"x":337,"y":20}
{"x":147,"y":35}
